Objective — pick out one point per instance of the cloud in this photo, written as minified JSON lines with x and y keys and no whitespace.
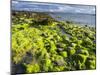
{"x":14,"y":2}
{"x":52,"y":7}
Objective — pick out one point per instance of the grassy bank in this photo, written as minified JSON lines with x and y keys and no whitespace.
{"x":42,"y":44}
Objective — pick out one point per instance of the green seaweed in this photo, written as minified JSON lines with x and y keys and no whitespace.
{"x":39,"y":43}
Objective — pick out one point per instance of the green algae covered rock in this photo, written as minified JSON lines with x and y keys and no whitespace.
{"x":32,"y":68}
{"x":59,"y":68}
{"x":80,"y":57}
{"x":43,"y":19}
{"x":71,"y":51}
{"x":40,"y":44}
{"x":64,"y":54}
{"x":79,"y":60}
{"x":83,"y":52}
{"x":47,"y":65}
{"x":58,"y":60}
{"x":91,"y":62}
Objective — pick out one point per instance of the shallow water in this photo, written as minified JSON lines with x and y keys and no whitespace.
{"x":85,"y":19}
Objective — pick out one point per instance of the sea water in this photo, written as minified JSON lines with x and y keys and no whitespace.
{"x":85,"y":19}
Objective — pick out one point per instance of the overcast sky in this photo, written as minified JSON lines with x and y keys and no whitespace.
{"x":52,"y":7}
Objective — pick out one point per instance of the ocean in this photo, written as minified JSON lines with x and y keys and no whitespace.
{"x":84,"y":19}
